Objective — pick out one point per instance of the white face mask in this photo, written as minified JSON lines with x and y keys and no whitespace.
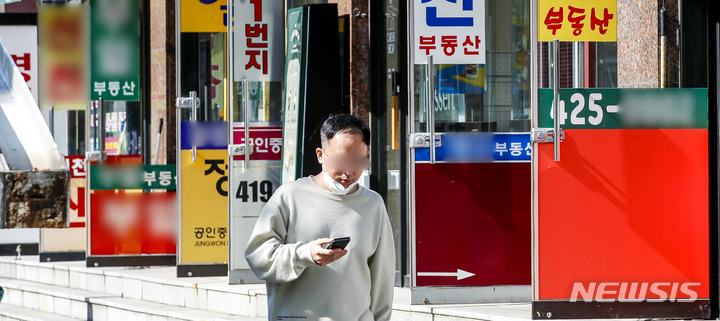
{"x":334,"y":186}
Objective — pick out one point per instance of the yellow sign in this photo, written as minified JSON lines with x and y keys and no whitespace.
{"x":204,"y":234}
{"x":203,"y":15}
{"x":577,"y":20}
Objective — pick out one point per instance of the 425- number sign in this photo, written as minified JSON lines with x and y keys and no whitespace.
{"x":615,"y":108}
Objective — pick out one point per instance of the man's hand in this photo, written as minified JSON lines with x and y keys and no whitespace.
{"x":323,"y":256}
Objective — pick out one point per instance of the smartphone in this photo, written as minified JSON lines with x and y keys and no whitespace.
{"x":338,"y":243}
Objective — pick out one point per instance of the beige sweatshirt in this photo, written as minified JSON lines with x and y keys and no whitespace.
{"x":358,"y":286}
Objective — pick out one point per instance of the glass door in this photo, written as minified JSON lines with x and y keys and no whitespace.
{"x":201,"y":125}
{"x":620,"y":168}
{"x":470,"y":157}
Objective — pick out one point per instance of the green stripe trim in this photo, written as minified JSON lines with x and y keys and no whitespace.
{"x":627,"y":108}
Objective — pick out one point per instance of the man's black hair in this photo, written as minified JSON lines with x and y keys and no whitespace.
{"x":343,"y":123}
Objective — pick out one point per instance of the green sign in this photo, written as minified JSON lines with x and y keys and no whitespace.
{"x":630,"y":108}
{"x":114,"y":50}
{"x":294,"y":101}
{"x":103,"y":177}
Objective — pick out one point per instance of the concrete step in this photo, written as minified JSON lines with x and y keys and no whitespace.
{"x":157,"y":284}
{"x":14,"y":313}
{"x":52,"y":299}
{"x":123,"y":309}
{"x":74,"y":304}
{"x":158,"y":289}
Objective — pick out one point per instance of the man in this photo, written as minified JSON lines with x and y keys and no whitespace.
{"x":306,"y":281}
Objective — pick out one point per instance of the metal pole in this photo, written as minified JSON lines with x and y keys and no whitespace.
{"x":51,"y":121}
{"x":534,"y":61}
{"x":157,"y":143}
{"x":410,"y":83}
{"x":230,"y":103}
{"x":178,"y":120}
{"x":101,"y":111}
{"x":663,"y":49}
{"x":556,"y":97}
{"x":679,"y":43}
{"x":178,"y":170}
{"x":578,"y":65}
{"x":246,"y":122}
{"x":88,"y":149}
{"x":193,"y":120}
{"x":431,"y":106}
{"x":534,"y":55}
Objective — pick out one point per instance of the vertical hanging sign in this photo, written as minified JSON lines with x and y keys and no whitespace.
{"x":114,"y":50}
{"x":62,"y":56}
{"x":451,"y":32}
{"x":258,"y":40}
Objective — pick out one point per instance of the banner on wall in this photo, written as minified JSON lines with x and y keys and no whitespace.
{"x":21,"y":42}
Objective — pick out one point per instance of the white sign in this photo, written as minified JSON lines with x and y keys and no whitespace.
{"x":251,"y":190}
{"x":259,"y":40}
{"x":452,"y":31}
{"x":21,"y":42}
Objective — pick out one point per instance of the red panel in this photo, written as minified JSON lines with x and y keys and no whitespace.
{"x":624,"y":206}
{"x":133,"y":223}
{"x":474,"y":217}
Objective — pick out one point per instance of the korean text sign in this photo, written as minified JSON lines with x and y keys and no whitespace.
{"x":265,"y":142}
{"x":76,"y":214}
{"x":114,"y":50}
{"x":204,"y":190}
{"x":132,"y":177}
{"x":577,"y":20}
{"x":259,"y":40}
{"x":452,"y":31}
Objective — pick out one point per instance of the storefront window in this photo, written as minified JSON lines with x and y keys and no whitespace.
{"x":490,"y":97}
{"x":203,"y":71}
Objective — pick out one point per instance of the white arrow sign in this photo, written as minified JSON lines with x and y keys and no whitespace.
{"x":460,"y":274}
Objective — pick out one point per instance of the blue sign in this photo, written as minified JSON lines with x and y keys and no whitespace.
{"x":479,"y":148}
{"x":204,"y":135}
{"x":433,"y":20}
